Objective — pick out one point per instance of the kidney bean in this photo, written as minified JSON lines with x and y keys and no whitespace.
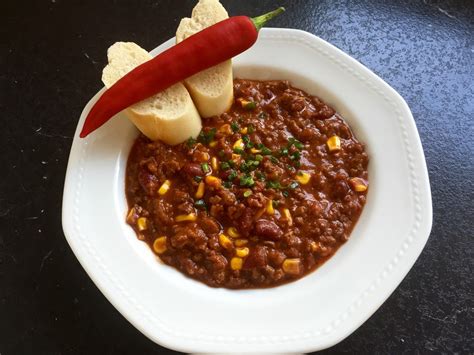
{"x":267,"y":229}
{"x":193,"y":169}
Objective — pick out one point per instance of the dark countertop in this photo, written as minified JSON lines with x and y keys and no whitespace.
{"x":52,"y":54}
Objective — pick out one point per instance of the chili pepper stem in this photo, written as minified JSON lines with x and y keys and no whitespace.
{"x":261,"y":20}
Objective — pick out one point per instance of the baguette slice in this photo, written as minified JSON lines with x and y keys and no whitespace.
{"x":212,"y":89}
{"x":169,"y":116}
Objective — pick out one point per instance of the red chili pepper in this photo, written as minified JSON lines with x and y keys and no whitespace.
{"x":203,"y":50}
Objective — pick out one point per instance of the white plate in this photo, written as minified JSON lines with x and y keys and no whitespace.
{"x":313,"y":313}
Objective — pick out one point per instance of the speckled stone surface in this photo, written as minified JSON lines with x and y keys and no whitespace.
{"x":52,"y":53}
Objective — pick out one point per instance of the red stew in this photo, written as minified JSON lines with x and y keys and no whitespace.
{"x":266,"y":193}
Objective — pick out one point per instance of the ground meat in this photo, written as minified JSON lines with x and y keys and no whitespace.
{"x":216,"y":262}
{"x":210,"y":225}
{"x":163,"y":212}
{"x":257,"y":258}
{"x":239,"y":230}
{"x":148,"y":182}
{"x":227,"y":197}
{"x":276,"y":257}
{"x":256,"y":200}
{"x":273,"y":171}
{"x":191,"y":236}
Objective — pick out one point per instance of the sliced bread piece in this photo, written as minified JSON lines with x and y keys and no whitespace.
{"x":212,"y":89}
{"x":170,"y":115}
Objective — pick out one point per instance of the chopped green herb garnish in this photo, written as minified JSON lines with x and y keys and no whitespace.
{"x":244,"y":167}
{"x":221,"y":153}
{"x":198,"y":178}
{"x":227,"y":184}
{"x":231,"y":163}
{"x":232,"y":175}
{"x":293,"y":185}
{"x":274,"y":185}
{"x":260,"y":176}
{"x":225,"y":166}
{"x":285,"y":193}
{"x":250,"y":129}
{"x":262,"y":115}
{"x":191,"y":142}
{"x":247,"y":141}
{"x":258,"y":157}
{"x":295,"y":156}
{"x":249,"y":165}
{"x":266,"y":151}
{"x":251,"y":105}
{"x":238,"y":151}
{"x":247,"y":193}
{"x":295,"y":142}
{"x":200,"y":204}
{"x":283,"y":151}
{"x":235,"y":126}
{"x":207,"y":137}
{"x":297,"y":164}
{"x":273,"y":160}
{"x":205,"y":168}
{"x":299,"y":145}
{"x":246,"y":180}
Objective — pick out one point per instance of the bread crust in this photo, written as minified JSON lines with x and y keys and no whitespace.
{"x":170,"y":115}
{"x":212,"y":89}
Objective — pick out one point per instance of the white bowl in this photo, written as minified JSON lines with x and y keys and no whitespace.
{"x":311,"y":314}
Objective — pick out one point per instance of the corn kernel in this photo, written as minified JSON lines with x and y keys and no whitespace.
{"x":292,"y":266}
{"x":242,"y":252}
{"x":200,"y":190}
{"x":255,"y":150}
{"x":244,"y":130}
{"x":314,"y":246}
{"x":358,"y":184}
{"x":142,"y":224}
{"x":159,"y":245}
{"x":214,"y":164}
{"x":239,"y":143}
{"x":236,"y":263}
{"x":303,"y":177}
{"x":213,"y":181}
{"x":164,"y":187}
{"x":269,"y":207}
{"x":260,"y":213}
{"x":233,"y":233}
{"x":287,"y":214}
{"x":130,"y":215}
{"x":225,"y":241}
{"x":334,"y":143}
{"x":249,"y":105}
{"x":186,"y":217}
{"x":225,"y":129}
{"x":236,"y":158}
{"x":213,"y":144}
{"x":203,"y":157}
{"x":240,"y":242}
